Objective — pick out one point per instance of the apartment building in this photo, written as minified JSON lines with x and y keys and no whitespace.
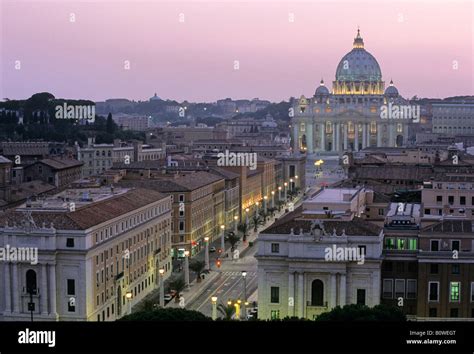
{"x":94,"y":246}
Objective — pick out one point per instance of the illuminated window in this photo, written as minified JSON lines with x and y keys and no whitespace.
{"x":328,"y":127}
{"x":275,"y":314}
{"x":373,"y":127}
{"x":412,"y":244}
{"x":401,"y":243}
{"x":302,"y":127}
{"x":351,"y":127}
{"x":399,"y":128}
{"x":454,"y":291}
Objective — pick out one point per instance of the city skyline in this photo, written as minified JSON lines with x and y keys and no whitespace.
{"x":88,"y":57}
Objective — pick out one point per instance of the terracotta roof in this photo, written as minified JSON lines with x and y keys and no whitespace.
{"x":450,"y":226}
{"x":89,"y":215}
{"x":61,"y":164}
{"x":224,"y":173}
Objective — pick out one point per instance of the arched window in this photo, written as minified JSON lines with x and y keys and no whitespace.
{"x":317,"y":293}
{"x":31,"y":282}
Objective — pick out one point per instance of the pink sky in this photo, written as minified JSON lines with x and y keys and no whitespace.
{"x":415,"y":43}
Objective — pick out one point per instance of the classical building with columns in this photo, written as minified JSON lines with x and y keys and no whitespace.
{"x":94,"y":246}
{"x":295,"y":277}
{"x":349,"y":118}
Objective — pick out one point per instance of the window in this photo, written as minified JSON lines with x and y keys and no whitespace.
{"x":433,"y":287}
{"x":387,"y":289}
{"x":360,"y":296}
{"x":450,"y":199}
{"x":401,"y":243}
{"x":275,"y":314}
{"x":427,"y":211}
{"x":70,"y":242}
{"x":399,"y":288}
{"x":362,"y":249}
{"x":434,"y":245}
{"x":275,"y":248}
{"x":462,"y":200}
{"x":412,"y":244}
{"x":434,"y":268}
{"x":390,"y":243}
{"x":71,"y":287}
{"x":433,"y":312}
{"x":454,"y":313}
{"x":381,"y":211}
{"x":181,"y":198}
{"x":411,"y":288}
{"x":274,"y":295}
{"x":439,"y":198}
{"x":181,"y":226}
{"x":31,"y":286}
{"x":454,"y":289}
{"x":455,"y":269}
{"x":455,"y":245}
{"x":317,"y":293}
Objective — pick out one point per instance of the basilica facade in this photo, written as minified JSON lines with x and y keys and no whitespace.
{"x":349,"y":118}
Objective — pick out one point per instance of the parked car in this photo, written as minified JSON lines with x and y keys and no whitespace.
{"x":212,"y":249}
{"x":168,"y":297}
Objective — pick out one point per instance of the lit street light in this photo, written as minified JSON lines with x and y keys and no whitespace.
{"x":265,"y":204}
{"x":273,"y":199}
{"x":244,"y":308}
{"x":223,"y":238}
{"x":129,"y":296}
{"x":162,"y":287}
{"x":247,"y":215}
{"x":256,"y":209}
{"x":214,"y":307}
{"x":286,"y":185}
{"x":235,"y":224}
{"x":186,"y":268}
{"x":279,"y":193}
{"x":206,"y":253}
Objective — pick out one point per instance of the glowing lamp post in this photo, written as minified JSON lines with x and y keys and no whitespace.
{"x":265,"y":204}
{"x":162,"y":287}
{"x":235,"y":224}
{"x":244,"y":310}
{"x":129,"y":297}
{"x":214,"y":307}
{"x":186,"y":268}
{"x":223,"y":238}
{"x":273,"y":199}
{"x":206,"y":254}
{"x":286,"y":186}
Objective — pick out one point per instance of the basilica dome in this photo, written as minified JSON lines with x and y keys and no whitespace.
{"x":322,"y":90}
{"x":358,"y":65}
{"x":391,"y":90}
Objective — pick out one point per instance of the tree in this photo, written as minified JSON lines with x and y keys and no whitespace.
{"x":233,"y":239}
{"x":363,"y":313}
{"x":168,"y":314}
{"x":198,"y":267}
{"x":227,"y":311}
{"x":110,"y":125}
{"x":257,"y":220}
{"x":178,"y":285}
{"x":244,"y":228}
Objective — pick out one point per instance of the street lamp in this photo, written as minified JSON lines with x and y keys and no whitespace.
{"x":244,"y":277}
{"x":286,"y":185}
{"x":129,"y":296}
{"x":247,"y":215}
{"x":273,"y":199}
{"x":279,"y":193}
{"x":222,"y":238}
{"x":256,"y":209}
{"x":162,"y":287}
{"x":237,"y":309}
{"x":186,"y":268}
{"x":265,"y":204}
{"x":214,"y":307}
{"x":235,"y":223}
{"x":206,"y":254}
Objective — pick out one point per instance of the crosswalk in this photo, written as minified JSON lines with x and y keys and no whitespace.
{"x":237,"y":273}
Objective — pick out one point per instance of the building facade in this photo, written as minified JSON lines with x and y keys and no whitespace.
{"x":350,"y":117}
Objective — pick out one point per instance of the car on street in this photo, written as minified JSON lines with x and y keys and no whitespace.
{"x":168,"y":297}
{"x":212,"y":249}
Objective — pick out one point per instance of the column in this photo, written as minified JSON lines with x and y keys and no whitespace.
{"x":8,"y":301}
{"x":333,"y":137}
{"x":405,"y":134}
{"x":309,"y":138}
{"x":342,"y":290}
{"x":291,"y":294}
{"x":16,"y":295}
{"x":338,"y":137}
{"x":379,"y":135}
{"x":52,"y":288}
{"x":346,"y":131}
{"x":333,"y":294}
{"x":390,"y":135}
{"x":296,"y":146}
{"x":356,"y":136}
{"x":301,"y":298}
{"x":44,"y":290}
{"x":364,"y":135}
{"x":323,"y":137}
{"x":368,"y":135}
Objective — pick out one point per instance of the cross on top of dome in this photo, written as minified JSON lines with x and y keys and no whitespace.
{"x":358,"y":41}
